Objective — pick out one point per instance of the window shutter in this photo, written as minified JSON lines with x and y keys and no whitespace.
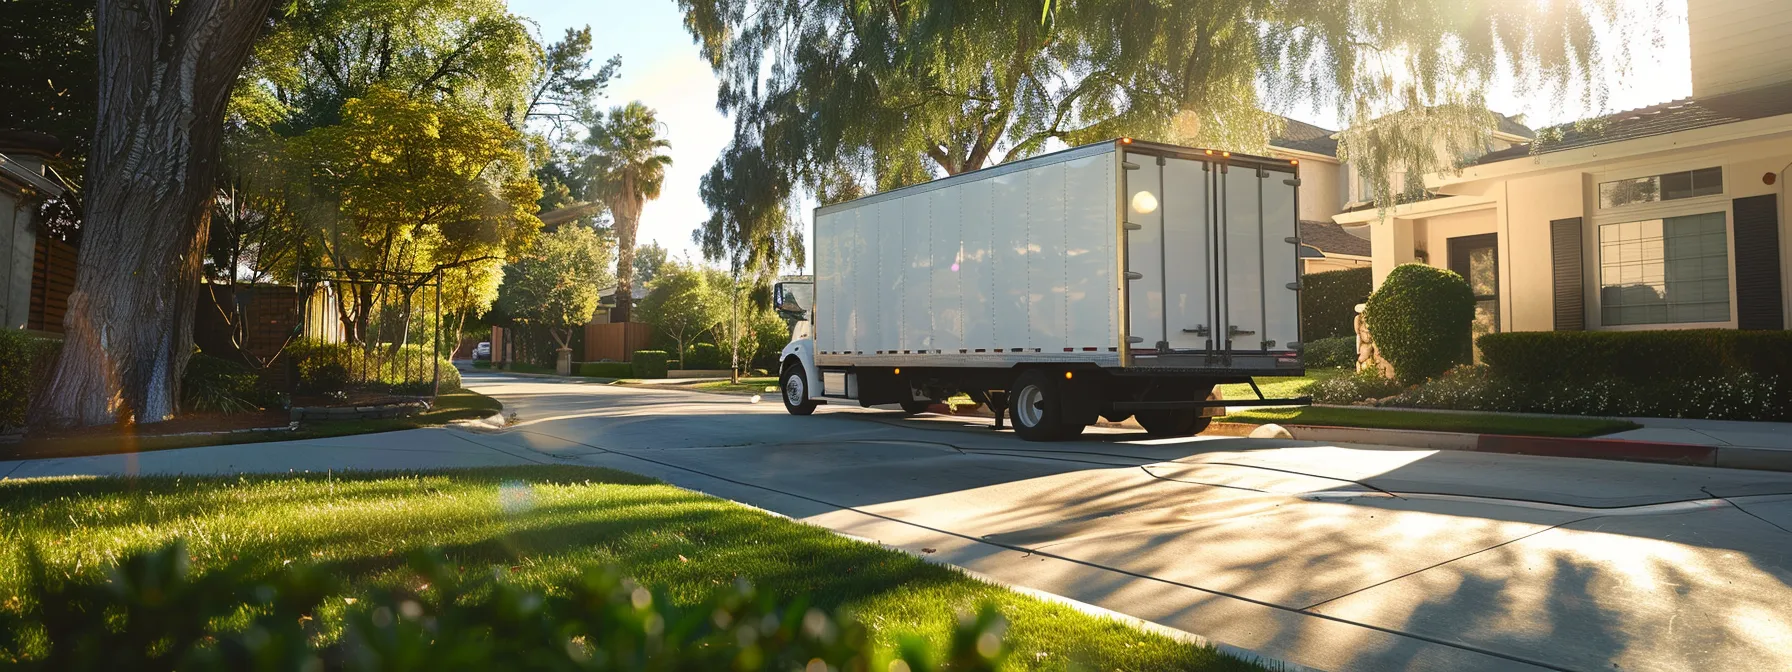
{"x":1758,"y":303}
{"x":1570,"y":274}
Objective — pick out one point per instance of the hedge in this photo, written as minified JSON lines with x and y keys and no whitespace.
{"x":1683,"y":354}
{"x":649,"y":363}
{"x":325,"y":368}
{"x":1420,"y":319}
{"x":25,"y":363}
{"x":606,"y":370}
{"x":213,"y":385}
{"x":1330,"y":353}
{"x":1744,"y":396}
{"x":1328,"y":302}
{"x":707,"y":356}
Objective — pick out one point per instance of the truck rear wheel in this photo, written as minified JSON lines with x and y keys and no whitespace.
{"x":1036,"y":407}
{"x":795,"y":389}
{"x":916,"y":406}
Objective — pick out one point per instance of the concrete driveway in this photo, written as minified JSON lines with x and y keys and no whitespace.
{"x":1338,"y":557}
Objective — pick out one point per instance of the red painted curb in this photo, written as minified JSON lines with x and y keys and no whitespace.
{"x":1598,"y":449}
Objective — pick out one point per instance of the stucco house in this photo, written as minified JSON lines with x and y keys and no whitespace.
{"x":1669,"y":216}
{"x":22,"y":183}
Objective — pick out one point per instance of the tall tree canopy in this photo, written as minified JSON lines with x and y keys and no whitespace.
{"x":842,"y":97}
{"x":626,"y":170}
{"x":554,"y":285}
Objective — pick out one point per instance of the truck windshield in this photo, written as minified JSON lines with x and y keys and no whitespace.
{"x":794,"y":298}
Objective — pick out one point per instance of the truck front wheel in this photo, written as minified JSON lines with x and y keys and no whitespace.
{"x":795,"y":388}
{"x":1036,"y":407}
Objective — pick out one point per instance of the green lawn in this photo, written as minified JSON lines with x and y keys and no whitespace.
{"x":1280,"y":387}
{"x":1477,"y":423}
{"x":449,"y":407}
{"x":760,"y":385}
{"x":541,"y":527}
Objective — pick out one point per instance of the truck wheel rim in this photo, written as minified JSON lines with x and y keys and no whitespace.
{"x":1029,"y":406}
{"x":793,"y":389}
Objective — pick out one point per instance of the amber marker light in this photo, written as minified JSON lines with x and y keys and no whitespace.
{"x":1067,"y":375}
{"x":1126,"y":141}
{"x":1294,"y":162}
{"x":899,"y":372}
{"x":1210,"y":152}
{"x":1226,"y":154}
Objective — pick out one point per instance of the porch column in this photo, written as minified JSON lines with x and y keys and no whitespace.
{"x":1391,"y":245}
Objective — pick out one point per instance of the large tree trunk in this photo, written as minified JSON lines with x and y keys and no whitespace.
{"x":628,"y":220}
{"x":166,"y":70}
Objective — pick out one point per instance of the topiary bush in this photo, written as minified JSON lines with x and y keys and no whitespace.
{"x":706,"y":356}
{"x":1328,"y":302}
{"x":648,"y":363}
{"x":154,"y":612}
{"x":25,"y":364}
{"x":606,"y":370}
{"x":213,"y":385}
{"x":1330,"y":353}
{"x":1420,"y":319}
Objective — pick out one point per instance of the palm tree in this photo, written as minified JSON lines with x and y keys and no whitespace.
{"x":626,"y":170}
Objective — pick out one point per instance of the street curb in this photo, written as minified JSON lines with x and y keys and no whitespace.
{"x":1729,"y":457}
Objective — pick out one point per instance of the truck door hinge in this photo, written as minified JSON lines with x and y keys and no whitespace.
{"x":1292,"y":181}
{"x":1129,"y":165}
{"x":1135,"y":339}
{"x":1291,"y":240}
{"x":1134,"y":227}
{"x":1294,"y":285}
{"x":1131,"y":275}
{"x":1268,"y":344}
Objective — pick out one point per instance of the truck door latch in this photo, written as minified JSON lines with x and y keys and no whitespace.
{"x":1233,"y":330}
{"x":1199,"y":330}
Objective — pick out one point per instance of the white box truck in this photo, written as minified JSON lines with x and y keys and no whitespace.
{"x":1118,"y":279}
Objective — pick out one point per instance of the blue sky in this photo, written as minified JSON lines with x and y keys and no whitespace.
{"x":662,"y":68}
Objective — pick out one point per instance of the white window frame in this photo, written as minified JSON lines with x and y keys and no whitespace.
{"x":1634,"y":212}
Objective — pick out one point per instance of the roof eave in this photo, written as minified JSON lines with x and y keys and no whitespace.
{"x":1752,"y":129}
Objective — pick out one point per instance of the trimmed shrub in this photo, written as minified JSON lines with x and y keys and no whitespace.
{"x":1573,"y":356}
{"x":606,"y":370}
{"x":25,"y":363}
{"x":213,"y":385}
{"x":152,"y":611}
{"x":1744,"y":396}
{"x":1332,"y":353}
{"x":706,"y":356}
{"x":1420,"y":318}
{"x":1328,"y":302}
{"x":648,"y":363}
{"x":1356,"y":388}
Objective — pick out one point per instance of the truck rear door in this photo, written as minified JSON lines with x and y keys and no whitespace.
{"x":1211,"y":255}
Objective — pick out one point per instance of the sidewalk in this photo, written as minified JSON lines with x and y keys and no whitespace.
{"x":1721,"y":433}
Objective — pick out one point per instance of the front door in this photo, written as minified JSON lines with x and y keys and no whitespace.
{"x":1477,"y":260}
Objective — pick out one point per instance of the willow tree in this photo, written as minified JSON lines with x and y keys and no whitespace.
{"x":626,"y":170}
{"x":844,"y":97}
{"x":166,"y":71}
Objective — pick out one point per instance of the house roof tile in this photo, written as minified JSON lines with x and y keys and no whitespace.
{"x":1330,"y":238}
{"x":1304,"y":137}
{"x":1673,"y":116}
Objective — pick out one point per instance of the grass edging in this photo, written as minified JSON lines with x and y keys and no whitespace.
{"x":449,"y":407}
{"x":546,"y":523}
{"x":1432,"y":421}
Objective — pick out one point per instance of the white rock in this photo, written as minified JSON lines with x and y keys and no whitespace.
{"x":1271,"y":431}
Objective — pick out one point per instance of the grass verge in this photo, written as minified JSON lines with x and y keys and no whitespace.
{"x":540,"y":527}
{"x":1280,"y":387}
{"x":450,"y":406}
{"x":758,"y":385}
{"x":1474,"y":423}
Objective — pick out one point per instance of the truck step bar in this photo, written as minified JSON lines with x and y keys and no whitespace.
{"x":1207,"y":403}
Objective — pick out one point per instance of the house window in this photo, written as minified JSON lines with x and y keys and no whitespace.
{"x":1665,"y":271}
{"x":1666,"y":187}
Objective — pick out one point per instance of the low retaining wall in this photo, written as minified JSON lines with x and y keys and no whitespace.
{"x":697,"y":373}
{"x":400,"y":409}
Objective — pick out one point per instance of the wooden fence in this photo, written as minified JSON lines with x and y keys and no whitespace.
{"x":615,"y":341}
{"x":52,"y":279}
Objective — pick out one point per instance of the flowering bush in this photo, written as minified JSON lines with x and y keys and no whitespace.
{"x":1367,"y":385}
{"x":1747,"y":396}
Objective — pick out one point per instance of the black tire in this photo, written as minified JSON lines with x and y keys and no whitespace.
{"x":796,"y":384}
{"x":1179,"y":422}
{"x":1045,"y":420}
{"x":916,"y":406}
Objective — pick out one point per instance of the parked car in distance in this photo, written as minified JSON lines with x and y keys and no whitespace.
{"x":483,"y":350}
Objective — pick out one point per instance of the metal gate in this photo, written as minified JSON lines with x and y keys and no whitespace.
{"x":390,"y":325}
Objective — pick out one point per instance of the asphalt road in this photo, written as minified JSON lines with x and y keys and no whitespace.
{"x":1336,"y":557}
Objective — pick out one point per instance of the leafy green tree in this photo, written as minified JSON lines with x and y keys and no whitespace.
{"x":649,"y":259}
{"x":626,"y":170}
{"x":47,"y":85}
{"x":686,"y":303}
{"x":839,"y":98}
{"x":554,"y":285}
